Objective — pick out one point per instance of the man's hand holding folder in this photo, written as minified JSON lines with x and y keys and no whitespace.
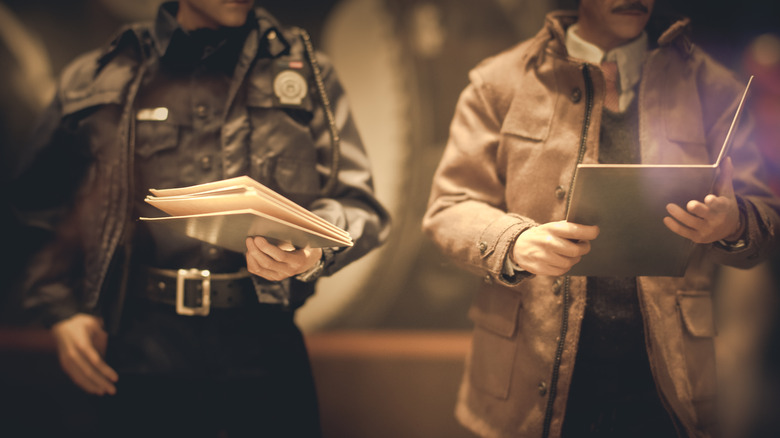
{"x":717,"y":218}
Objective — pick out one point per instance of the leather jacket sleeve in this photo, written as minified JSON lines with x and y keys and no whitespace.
{"x":41,"y":207}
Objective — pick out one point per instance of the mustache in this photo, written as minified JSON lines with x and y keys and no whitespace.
{"x":631,"y":6}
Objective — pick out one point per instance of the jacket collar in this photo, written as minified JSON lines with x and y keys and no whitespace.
{"x":157,"y":36}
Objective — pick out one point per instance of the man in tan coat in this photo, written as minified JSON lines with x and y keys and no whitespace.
{"x":560,"y":355}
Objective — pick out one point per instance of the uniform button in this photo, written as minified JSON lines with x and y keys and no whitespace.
{"x":213,"y":252}
{"x":576,"y":95}
{"x":560,"y":192}
{"x":161,"y":285}
{"x":271,"y":35}
{"x":200,"y":110}
{"x":542,"y":389}
{"x":482,"y":247}
{"x":487,"y":279}
{"x":205,"y":162}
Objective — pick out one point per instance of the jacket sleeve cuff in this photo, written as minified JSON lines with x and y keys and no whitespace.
{"x":56,"y":314}
{"x":494,"y":245}
{"x":744,"y":251}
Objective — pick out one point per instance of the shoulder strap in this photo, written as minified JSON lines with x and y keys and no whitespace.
{"x":335,"y":140}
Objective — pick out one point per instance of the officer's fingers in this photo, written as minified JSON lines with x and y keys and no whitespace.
{"x":81,"y":380}
{"x":268,"y":274}
{"x":100,"y":341}
{"x":273,"y":251}
{"x":98,"y":364}
{"x":93,"y":363}
{"x":78,"y":367}
{"x":256,"y":268}
{"x":262,"y":258}
{"x":302,"y":259}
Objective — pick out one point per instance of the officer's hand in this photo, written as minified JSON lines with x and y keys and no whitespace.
{"x":81,"y":345}
{"x":276,"y":263}
{"x":714,"y":219}
{"x":552,"y":248}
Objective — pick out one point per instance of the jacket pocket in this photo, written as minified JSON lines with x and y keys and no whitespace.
{"x":696,"y":312}
{"x":155,"y":136}
{"x":296,"y":176}
{"x":495,"y":314}
{"x":284,"y":154}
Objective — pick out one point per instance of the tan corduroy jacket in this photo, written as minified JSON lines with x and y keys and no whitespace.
{"x":527,"y":118}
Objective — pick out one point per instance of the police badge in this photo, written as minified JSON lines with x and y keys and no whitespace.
{"x":290,"y":85}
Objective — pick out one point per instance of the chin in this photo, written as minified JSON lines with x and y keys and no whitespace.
{"x":629,"y":31}
{"x":233,"y":20}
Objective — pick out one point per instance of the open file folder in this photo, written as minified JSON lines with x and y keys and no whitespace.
{"x":225,"y":212}
{"x":628,"y":203}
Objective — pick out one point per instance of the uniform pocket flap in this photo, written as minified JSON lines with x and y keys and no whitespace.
{"x":296,"y":175}
{"x":155,"y":136}
{"x":697,"y":313}
{"x":531,"y":112}
{"x":79,"y":100}
{"x":495,"y":309}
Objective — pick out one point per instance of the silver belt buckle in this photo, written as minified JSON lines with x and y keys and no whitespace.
{"x":205,"y":304}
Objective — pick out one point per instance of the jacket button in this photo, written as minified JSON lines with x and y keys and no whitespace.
{"x":576,"y":95}
{"x":205,"y":162}
{"x":542,"y":389}
{"x":201,"y":111}
{"x":560,"y":192}
{"x":482,"y":247}
{"x":487,"y":279}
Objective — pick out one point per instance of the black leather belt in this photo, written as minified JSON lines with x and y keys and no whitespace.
{"x":195,"y":291}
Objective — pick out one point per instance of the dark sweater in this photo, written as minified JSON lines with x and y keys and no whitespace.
{"x":612,"y":391}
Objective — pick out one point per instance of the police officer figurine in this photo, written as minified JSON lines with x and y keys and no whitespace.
{"x":212,"y":89}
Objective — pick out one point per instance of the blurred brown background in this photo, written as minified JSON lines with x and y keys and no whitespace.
{"x":388,"y":335}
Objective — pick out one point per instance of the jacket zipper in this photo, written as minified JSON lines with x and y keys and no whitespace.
{"x":565,"y":314}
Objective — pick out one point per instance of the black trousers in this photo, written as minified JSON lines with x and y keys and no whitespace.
{"x":613,"y":393}
{"x":235,"y":373}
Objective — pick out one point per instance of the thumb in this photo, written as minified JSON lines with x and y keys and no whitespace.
{"x":725,"y":181}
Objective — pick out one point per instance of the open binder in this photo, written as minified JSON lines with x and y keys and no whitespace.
{"x":225,"y":212}
{"x":628,"y":203}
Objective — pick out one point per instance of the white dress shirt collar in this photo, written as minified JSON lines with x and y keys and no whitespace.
{"x":629,"y":58}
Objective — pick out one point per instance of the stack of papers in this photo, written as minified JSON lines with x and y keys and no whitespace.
{"x":225,"y":213}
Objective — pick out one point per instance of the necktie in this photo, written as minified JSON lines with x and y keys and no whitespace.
{"x":611,"y":101}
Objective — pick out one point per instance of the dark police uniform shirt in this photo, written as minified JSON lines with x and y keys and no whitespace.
{"x":179,"y":114}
